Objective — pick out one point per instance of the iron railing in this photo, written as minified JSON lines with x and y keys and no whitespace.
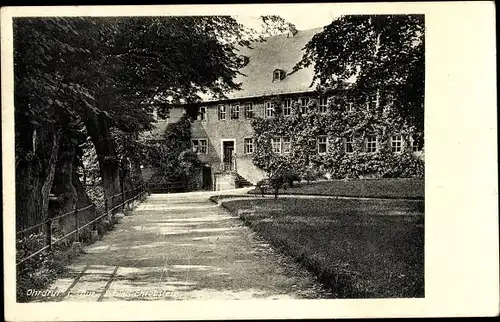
{"x":111,"y":204}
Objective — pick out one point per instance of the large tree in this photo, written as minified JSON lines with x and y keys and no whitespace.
{"x":367,"y":53}
{"x":99,"y":77}
{"x":46,"y":100}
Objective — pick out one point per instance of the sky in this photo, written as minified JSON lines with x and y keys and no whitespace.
{"x":301,"y":21}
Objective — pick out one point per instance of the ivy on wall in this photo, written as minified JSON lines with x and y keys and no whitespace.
{"x":341,"y":120}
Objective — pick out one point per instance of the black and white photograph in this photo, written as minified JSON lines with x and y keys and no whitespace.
{"x":198,"y":157}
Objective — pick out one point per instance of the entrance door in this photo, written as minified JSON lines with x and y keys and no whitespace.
{"x":207,"y":178}
{"x":227,"y":154}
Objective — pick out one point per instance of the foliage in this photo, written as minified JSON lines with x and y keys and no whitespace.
{"x":310,"y":173}
{"x":39,"y":271}
{"x":338,"y":123}
{"x":168,"y":156}
{"x":89,"y":165}
{"x":99,"y":77}
{"x":262,"y":186}
{"x":373,"y":52}
{"x":272,"y":25}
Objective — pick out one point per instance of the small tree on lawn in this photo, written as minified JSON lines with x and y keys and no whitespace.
{"x":276,"y":181}
{"x":279,"y":176}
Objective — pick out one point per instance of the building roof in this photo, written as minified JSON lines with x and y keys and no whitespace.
{"x":276,"y":52}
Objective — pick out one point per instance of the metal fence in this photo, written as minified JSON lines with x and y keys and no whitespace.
{"x":79,"y":219}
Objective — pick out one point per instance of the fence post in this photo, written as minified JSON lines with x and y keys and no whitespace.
{"x":77,"y":224}
{"x":76,"y":243}
{"x":48,"y":234}
{"x":123,"y":197}
{"x":106,"y":210}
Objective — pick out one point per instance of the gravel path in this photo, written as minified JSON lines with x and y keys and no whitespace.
{"x":182,"y":247}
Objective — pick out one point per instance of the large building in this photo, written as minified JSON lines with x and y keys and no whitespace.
{"x":222,"y":133}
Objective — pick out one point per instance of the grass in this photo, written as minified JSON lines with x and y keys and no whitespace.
{"x":357,"y":248}
{"x":374,"y":188}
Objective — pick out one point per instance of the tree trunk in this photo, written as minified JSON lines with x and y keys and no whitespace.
{"x":99,"y":131}
{"x":63,"y":179}
{"x":68,"y":188}
{"x":35,"y":170}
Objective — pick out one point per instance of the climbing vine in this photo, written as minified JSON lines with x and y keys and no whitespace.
{"x":342,"y":119}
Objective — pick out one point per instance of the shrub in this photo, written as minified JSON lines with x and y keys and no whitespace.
{"x":276,"y":181}
{"x":39,"y":271}
{"x":311,"y":174}
{"x":262,"y":185}
{"x":290,"y":177}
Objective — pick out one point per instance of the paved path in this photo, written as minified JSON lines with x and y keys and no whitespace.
{"x":182,"y":246}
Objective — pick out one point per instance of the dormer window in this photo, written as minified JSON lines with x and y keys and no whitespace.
{"x":278,"y":75}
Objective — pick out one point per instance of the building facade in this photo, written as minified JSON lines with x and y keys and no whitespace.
{"x":222,"y":132}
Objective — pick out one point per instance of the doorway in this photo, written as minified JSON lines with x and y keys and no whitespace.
{"x":227,"y":154}
{"x":207,"y":178}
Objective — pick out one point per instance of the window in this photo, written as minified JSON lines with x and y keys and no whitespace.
{"x":276,"y":145}
{"x":348,"y":145}
{"x":322,"y":142}
{"x":278,"y":75}
{"x":249,"y":111}
{"x":269,"y":109}
{"x":371,"y":102}
{"x":235,"y":112}
{"x":203,"y":146}
{"x":222,"y":112}
{"x":287,"y":107}
{"x":304,"y":101}
{"x":202,"y":115}
{"x":248,"y":145}
{"x":371,"y":144}
{"x":286,"y":145}
{"x":323,"y":105}
{"x":396,"y":143}
{"x":200,"y":145}
{"x":417,"y":144}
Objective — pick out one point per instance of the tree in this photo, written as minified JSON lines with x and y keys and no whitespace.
{"x":369,"y":53}
{"x":99,"y":78}
{"x":46,"y":96}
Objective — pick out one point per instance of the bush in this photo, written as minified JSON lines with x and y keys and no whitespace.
{"x":291,"y":176}
{"x":262,"y":185}
{"x":39,"y":271}
{"x":311,"y":174}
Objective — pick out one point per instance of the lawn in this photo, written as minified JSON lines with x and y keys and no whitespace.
{"x":357,"y":248}
{"x":375,"y":188}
